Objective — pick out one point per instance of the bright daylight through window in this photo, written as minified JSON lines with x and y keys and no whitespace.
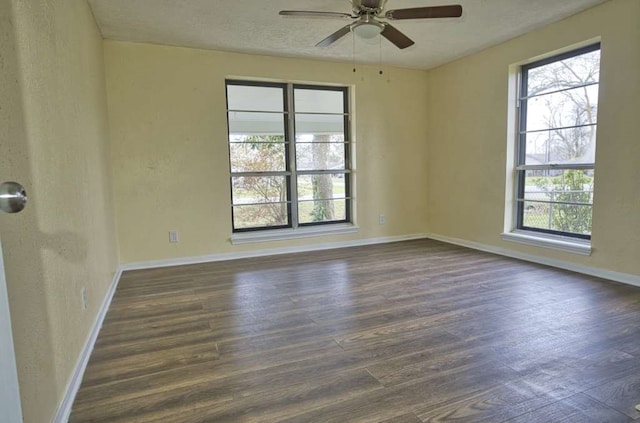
{"x":558,"y":108}
{"x":289,"y":155}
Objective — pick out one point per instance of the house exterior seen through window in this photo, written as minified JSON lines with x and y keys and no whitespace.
{"x":558,"y":109}
{"x":289,"y":155}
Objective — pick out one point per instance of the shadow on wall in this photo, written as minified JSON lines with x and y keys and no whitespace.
{"x":69,"y":246}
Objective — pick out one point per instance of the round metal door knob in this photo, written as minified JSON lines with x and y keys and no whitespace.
{"x":13,"y":197}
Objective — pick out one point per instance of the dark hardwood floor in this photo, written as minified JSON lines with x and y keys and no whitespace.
{"x":417,"y":331}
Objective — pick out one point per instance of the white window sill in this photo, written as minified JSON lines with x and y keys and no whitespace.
{"x":293,"y":233}
{"x":566,"y":244}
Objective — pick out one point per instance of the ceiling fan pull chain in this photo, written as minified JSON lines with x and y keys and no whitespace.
{"x":380,"y":53}
{"x":353,"y":51}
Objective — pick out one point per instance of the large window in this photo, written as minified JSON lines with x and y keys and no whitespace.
{"x":558,"y":107}
{"x":289,"y":155}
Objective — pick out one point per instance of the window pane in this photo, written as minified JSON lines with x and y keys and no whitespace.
{"x":320,"y":156}
{"x":577,"y":106}
{"x":322,"y":186}
{"x":318,"y":101}
{"x":577,"y":70}
{"x":259,"y":189}
{"x":575,"y":219}
{"x":265,"y":99}
{"x":322,"y":211}
{"x":324,"y":128}
{"x":574,"y":145}
{"x":255,"y":124}
{"x":262,"y":215}
{"x":559,"y":185}
{"x":257,"y":157}
{"x":536,"y":215}
{"x":559,"y":200}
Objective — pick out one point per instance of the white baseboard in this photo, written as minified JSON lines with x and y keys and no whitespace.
{"x":64,"y":411}
{"x":626,"y":278}
{"x":588,"y":270}
{"x":267,"y":252}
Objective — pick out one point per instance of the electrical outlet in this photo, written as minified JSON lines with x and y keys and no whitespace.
{"x":173,"y":237}
{"x":382,"y":219}
{"x":85,"y":298}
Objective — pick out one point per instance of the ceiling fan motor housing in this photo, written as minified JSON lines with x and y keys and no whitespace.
{"x":373,"y":7}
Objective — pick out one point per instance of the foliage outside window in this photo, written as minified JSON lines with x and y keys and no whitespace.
{"x":289,"y":155}
{"x":558,"y":108}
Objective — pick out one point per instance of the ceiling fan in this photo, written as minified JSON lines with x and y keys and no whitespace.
{"x":370,"y":20}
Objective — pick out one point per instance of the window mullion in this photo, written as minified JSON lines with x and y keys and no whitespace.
{"x":558,"y":128}
{"x":260,"y":174}
{"x":557,"y":166}
{"x":293,"y":182}
{"x":586,"y":84}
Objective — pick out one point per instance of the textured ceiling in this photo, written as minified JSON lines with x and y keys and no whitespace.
{"x":254,"y":26}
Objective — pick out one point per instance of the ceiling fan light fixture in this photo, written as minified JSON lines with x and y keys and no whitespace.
{"x":367,"y":29}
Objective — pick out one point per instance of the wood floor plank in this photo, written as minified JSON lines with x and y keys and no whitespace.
{"x":405,"y":418}
{"x":241,"y":383}
{"x":621,"y":393}
{"x":577,"y":409}
{"x":499,"y":403}
{"x":403,"y":332}
{"x":126,"y":366}
{"x":383,"y":404}
{"x":202,"y":402}
{"x":272,"y":405}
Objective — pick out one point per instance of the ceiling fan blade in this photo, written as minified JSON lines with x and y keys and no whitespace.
{"x":313,"y":14}
{"x":396,"y":37}
{"x":334,"y":37}
{"x":452,"y":11}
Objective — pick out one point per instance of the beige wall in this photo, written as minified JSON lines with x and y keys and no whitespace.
{"x":54,"y":139}
{"x":468,"y":137}
{"x":170,"y":156}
